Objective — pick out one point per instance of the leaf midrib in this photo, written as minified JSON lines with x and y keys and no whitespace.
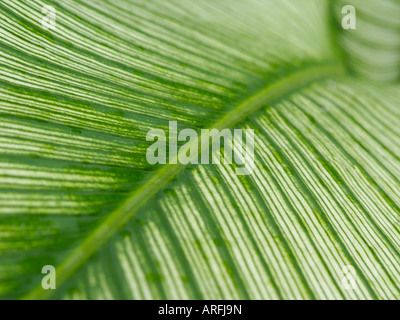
{"x":139,"y":197}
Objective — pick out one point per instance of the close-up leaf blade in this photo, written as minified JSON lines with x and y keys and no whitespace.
{"x":77,"y":193}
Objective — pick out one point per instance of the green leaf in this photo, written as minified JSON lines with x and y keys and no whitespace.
{"x":371,"y":50}
{"x":77,"y":101}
